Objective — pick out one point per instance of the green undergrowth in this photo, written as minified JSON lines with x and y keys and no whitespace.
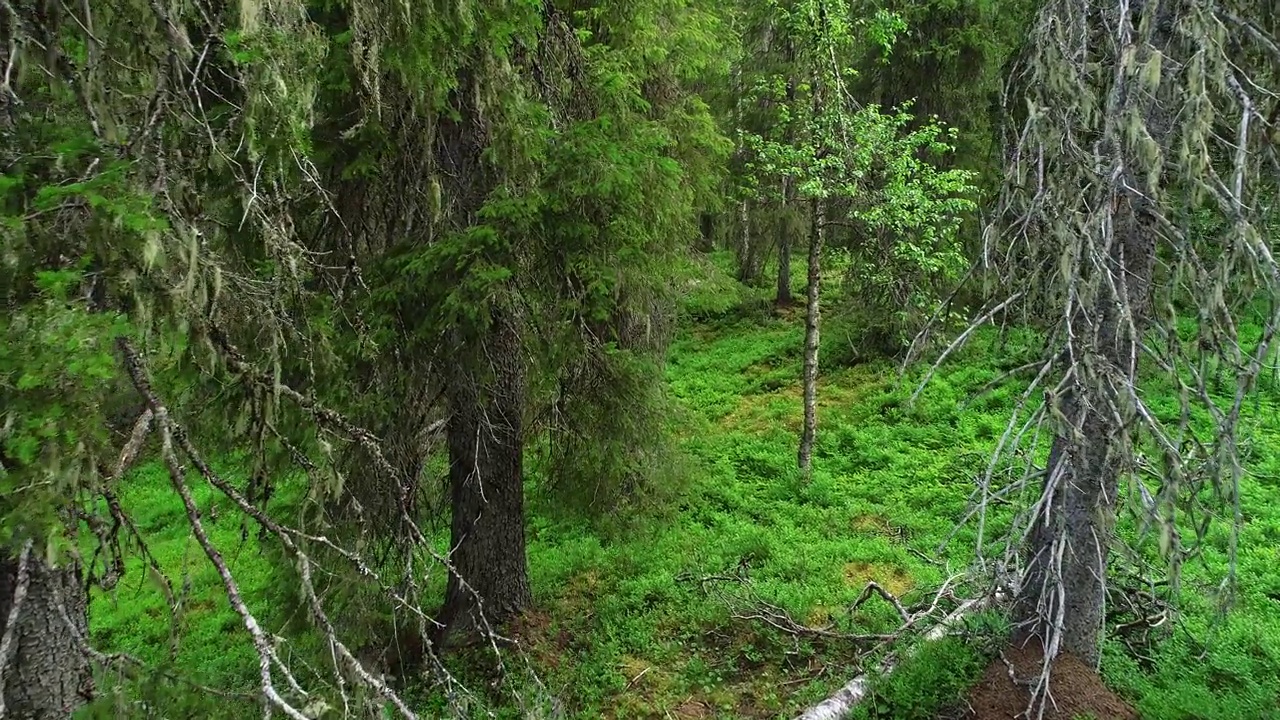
{"x":205,"y":643}
{"x":634,"y":622}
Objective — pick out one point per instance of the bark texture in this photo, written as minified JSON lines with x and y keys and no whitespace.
{"x":47,"y":675}
{"x":1063,"y":594}
{"x":486,"y":484}
{"x":1065,"y":580}
{"x":811,"y":327}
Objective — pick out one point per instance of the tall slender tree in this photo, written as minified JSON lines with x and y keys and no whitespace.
{"x":812,"y":337}
{"x":847,"y":164}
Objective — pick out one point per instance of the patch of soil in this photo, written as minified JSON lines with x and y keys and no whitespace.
{"x":891,"y":578}
{"x":692,"y":710}
{"x":1077,"y":691}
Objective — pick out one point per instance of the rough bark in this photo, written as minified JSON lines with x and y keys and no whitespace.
{"x":1063,"y":593}
{"x":812,"y":321}
{"x":1080,"y":526}
{"x":491,"y":574}
{"x":1065,"y":579}
{"x":47,"y":675}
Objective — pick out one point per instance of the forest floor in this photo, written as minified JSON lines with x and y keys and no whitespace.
{"x":636,"y":618}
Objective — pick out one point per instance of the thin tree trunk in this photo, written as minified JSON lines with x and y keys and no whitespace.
{"x":1065,"y":580}
{"x":758,"y":257}
{"x":487,"y":491}
{"x":805,"y":456}
{"x":783,"y":297}
{"x":46,"y":673}
{"x":745,"y":246}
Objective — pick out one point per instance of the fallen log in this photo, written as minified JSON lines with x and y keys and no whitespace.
{"x":839,"y":705}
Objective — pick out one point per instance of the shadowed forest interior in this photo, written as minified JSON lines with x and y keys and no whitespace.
{"x":801,"y":359}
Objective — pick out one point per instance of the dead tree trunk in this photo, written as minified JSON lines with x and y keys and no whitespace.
{"x":46,"y":673}
{"x":805,"y":456}
{"x":1065,"y":580}
{"x":485,"y":437}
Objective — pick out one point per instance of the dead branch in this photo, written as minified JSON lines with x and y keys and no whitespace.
{"x":840,"y":704}
{"x":129,"y":453}
{"x":334,"y":422}
{"x":174,"y":433}
{"x":960,"y":341}
{"x":267,"y":657}
{"x":128,"y":664}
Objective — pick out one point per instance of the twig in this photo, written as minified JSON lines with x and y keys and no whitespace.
{"x":959,"y":341}
{"x":172,"y":431}
{"x":874,"y":587}
{"x":635,"y":679}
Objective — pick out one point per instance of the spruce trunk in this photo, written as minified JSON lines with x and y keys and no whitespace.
{"x":1065,"y":581}
{"x":47,"y":674}
{"x":490,"y":572}
{"x":805,"y":456}
{"x":784,"y":298}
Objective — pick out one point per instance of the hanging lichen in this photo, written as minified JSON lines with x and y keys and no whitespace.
{"x":1138,"y":201}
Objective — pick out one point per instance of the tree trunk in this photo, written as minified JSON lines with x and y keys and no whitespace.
{"x":805,"y":455}
{"x":783,"y":297}
{"x":756,"y":260}
{"x":1065,"y":580}
{"x":486,"y":482}
{"x":708,"y":238}
{"x":1079,"y":526}
{"x":47,"y":675}
{"x":784,"y":221}
{"x":745,"y":247}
